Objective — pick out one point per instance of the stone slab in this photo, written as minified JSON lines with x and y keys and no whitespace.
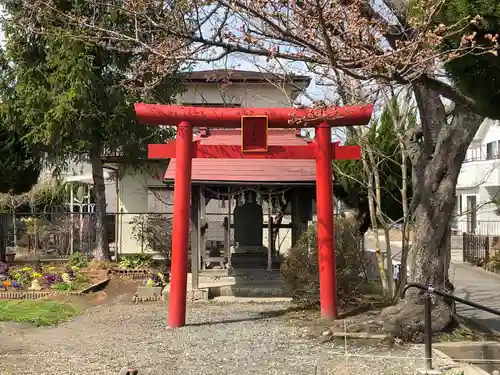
{"x":148,"y":291}
{"x":192,"y":295}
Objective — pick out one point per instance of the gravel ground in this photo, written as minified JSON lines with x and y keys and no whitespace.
{"x":220,"y":339}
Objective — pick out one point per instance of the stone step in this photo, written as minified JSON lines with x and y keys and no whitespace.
{"x":230,"y":299}
{"x":251,"y":289}
{"x":238,"y":276}
{"x":249,"y":256}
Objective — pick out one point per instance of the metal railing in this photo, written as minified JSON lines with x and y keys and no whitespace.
{"x":494,"y":156}
{"x":476,"y":249}
{"x":428,"y":311}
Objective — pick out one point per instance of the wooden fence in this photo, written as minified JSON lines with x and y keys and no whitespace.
{"x":476,"y":249}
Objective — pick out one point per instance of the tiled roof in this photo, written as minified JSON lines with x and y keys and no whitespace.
{"x":250,"y":170}
{"x":243,"y":76}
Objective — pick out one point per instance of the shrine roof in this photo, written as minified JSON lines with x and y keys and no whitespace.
{"x":254,"y":171}
{"x":243,"y":76}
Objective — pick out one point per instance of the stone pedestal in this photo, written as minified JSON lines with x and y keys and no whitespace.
{"x":193,"y":295}
{"x":148,"y":291}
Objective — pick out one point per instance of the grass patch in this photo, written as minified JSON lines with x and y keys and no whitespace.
{"x":39,"y":313}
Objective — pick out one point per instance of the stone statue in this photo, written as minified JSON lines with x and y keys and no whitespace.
{"x":66,"y":278}
{"x":35,"y":285}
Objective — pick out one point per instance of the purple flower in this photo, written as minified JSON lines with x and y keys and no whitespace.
{"x":52,"y":278}
{"x":4,"y":268}
{"x":16,"y":284}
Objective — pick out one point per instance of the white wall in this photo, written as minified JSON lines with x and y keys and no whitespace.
{"x":481,"y":178}
{"x":135,"y":200}
{"x":134,"y":195}
{"x":246,"y":95}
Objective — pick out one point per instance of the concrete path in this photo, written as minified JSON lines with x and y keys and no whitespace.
{"x":480,"y":286}
{"x":472,"y":283}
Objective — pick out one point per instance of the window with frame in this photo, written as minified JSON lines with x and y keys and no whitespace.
{"x":491,"y":150}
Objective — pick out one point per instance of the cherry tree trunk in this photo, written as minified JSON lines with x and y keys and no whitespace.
{"x":437,"y":148}
{"x":431,"y":242}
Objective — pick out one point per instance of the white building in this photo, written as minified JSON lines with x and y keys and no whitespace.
{"x":479,"y":183}
{"x":139,"y":193}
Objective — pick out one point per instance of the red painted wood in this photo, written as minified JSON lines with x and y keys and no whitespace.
{"x":158,"y":114}
{"x":324,"y":209}
{"x":261,"y":171}
{"x":180,"y":227}
{"x":346,"y":152}
{"x":168,"y":151}
{"x":254,"y":134}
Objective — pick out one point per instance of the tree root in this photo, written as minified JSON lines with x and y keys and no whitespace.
{"x":404,"y":322}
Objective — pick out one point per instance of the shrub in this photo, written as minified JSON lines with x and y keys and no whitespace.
{"x":155,"y":232}
{"x":299,"y":269}
{"x":78,"y":259}
{"x":493,"y":264}
{"x":136,"y":261}
{"x":95,"y":265}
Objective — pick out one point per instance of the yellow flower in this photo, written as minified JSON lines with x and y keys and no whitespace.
{"x":52,"y":268}
{"x":36,"y":275}
{"x":27,"y":269}
{"x":17,"y":275}
{"x":75,"y":268}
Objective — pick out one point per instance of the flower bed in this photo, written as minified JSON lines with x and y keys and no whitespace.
{"x":39,"y":282}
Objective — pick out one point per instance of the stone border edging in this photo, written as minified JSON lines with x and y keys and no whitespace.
{"x":32,"y":295}
{"x":134,"y":274}
{"x":460,"y":367}
{"x":138,"y":299}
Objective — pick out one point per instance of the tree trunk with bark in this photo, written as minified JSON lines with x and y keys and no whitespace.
{"x":278,"y":219}
{"x":101,"y":251}
{"x":3,"y":238}
{"x":437,"y":149}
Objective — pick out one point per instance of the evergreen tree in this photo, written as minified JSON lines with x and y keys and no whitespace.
{"x":475,"y":74}
{"x":76,"y":96}
{"x":350,"y":183}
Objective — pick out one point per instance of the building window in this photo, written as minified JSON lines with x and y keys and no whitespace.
{"x":471,"y":214}
{"x":491,"y":150}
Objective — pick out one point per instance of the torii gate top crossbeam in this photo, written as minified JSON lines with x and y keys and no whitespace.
{"x":157,"y":114}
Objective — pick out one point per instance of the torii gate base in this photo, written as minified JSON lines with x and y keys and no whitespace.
{"x":259,"y":119}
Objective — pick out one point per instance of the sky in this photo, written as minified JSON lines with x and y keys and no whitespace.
{"x":314,"y":92}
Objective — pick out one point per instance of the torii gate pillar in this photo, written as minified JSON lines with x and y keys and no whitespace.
{"x":325,"y":235}
{"x":259,"y":119}
{"x":180,"y":226}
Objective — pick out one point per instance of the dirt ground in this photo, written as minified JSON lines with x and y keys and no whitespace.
{"x":121,"y":289}
{"x":219,"y":339}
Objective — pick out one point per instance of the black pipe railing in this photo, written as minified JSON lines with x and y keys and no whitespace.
{"x":130,"y":371}
{"x":428,"y":310}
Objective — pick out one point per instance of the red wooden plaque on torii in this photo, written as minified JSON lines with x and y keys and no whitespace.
{"x":254,"y":134}
{"x":254,"y":124}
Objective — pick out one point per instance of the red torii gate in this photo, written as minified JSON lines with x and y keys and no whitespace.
{"x":254,"y":124}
